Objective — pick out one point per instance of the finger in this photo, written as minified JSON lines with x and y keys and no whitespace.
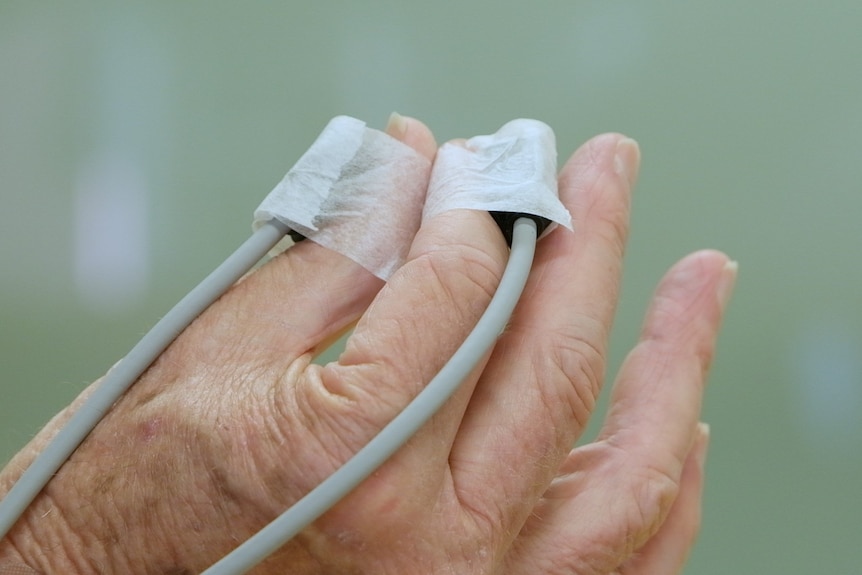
{"x":540,"y":385}
{"x":667,"y":552}
{"x":676,"y":350}
{"x":412,"y":329}
{"x":294,"y":304}
{"x":632,"y":473}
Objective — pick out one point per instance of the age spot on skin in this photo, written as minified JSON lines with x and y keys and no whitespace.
{"x":150,"y":429}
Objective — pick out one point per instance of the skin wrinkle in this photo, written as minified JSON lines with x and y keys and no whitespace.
{"x":608,"y":551}
{"x":310,"y":422}
{"x":447,"y":271}
{"x":597,"y":563}
{"x":580,"y":404}
{"x":472,"y":500}
{"x":158,"y":471}
{"x":588,"y":367}
{"x":657,"y":494}
{"x":612,"y":458}
{"x":343,"y":292}
{"x":65,"y":545}
{"x":430,"y":530}
{"x":662,"y":367}
{"x":530,"y":496}
{"x":650,"y":504}
{"x":99,"y":543}
{"x":543,"y":448}
{"x":443,"y":267}
{"x":586,"y":357}
{"x":485,"y":522}
{"x":657,"y":371}
{"x":211,"y":484}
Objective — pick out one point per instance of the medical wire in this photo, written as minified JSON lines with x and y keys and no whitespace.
{"x":130,"y":368}
{"x":343,"y":480}
{"x":404,"y":425}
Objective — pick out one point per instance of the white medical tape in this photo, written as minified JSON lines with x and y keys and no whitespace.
{"x":356,"y":191}
{"x":514,"y":170}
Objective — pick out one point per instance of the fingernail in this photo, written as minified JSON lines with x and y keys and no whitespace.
{"x":701,"y":444}
{"x":397,"y":125}
{"x":727,"y":282}
{"x":627,"y":160}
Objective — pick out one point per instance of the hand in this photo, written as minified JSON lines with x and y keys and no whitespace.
{"x":233,"y":423}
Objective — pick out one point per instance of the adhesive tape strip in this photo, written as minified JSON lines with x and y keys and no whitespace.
{"x":514,"y":170}
{"x":356,"y":191}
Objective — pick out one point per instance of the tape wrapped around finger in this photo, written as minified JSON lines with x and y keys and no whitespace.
{"x":356,"y":191}
{"x":513,"y":170}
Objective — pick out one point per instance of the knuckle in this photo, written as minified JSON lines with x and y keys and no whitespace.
{"x":652,"y":493}
{"x":461,"y":271}
{"x":447,"y":285}
{"x":353,"y":402}
{"x":645,"y":491}
{"x":581,"y":363}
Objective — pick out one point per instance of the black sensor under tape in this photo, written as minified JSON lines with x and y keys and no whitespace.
{"x":506,"y":223}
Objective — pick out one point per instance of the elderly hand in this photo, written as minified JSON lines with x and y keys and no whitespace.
{"x":234,"y":423}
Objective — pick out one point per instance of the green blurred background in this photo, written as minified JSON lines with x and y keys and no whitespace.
{"x":137,"y":137}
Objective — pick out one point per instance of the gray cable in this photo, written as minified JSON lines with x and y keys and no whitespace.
{"x":346,"y":478}
{"x":403,"y":426}
{"x":129,"y":369}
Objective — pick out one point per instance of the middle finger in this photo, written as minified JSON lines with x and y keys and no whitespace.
{"x":540,"y":386}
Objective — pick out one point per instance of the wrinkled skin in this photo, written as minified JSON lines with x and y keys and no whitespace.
{"x":233,"y":423}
